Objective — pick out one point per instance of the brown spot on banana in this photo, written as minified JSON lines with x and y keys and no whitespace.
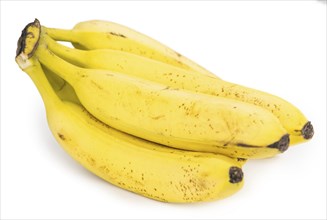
{"x":158,"y":117}
{"x":245,"y":145}
{"x":61,"y":136}
{"x":96,"y":84}
{"x":241,"y":160}
{"x":117,"y":34}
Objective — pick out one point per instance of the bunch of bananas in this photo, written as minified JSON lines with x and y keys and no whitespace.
{"x":147,"y":119}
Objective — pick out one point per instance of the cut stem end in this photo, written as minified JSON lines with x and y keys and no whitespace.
{"x":28,"y":42}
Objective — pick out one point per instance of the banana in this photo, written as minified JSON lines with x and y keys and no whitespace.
{"x":66,"y":92}
{"x":121,"y":44}
{"x":148,"y":169}
{"x":171,"y":117}
{"x":97,"y":34}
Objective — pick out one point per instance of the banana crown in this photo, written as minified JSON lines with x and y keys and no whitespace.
{"x":27,"y":43}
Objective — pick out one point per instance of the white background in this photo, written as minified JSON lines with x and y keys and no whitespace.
{"x":275,"y":46}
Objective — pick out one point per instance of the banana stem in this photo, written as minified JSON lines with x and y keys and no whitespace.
{"x":65,"y":70}
{"x":71,"y":55}
{"x":36,"y":73}
{"x":25,"y":57}
{"x":60,"y":34}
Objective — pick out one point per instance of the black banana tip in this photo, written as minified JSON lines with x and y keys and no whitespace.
{"x":235,"y":175}
{"x":283,"y":143}
{"x":307,"y":131}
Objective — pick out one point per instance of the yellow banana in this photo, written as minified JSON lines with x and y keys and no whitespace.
{"x":66,"y":92}
{"x":140,"y":166}
{"x":121,"y":55}
{"x":172,"y":117}
{"x":97,"y":34}
{"x":291,"y":118}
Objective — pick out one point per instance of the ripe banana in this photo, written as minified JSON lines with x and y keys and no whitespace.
{"x":66,"y":92}
{"x":184,"y":74}
{"x":169,"y":116}
{"x":137,"y":165}
{"x":119,"y":37}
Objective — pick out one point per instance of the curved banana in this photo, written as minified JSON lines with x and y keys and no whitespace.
{"x":140,"y":166}
{"x":97,"y":34}
{"x":118,"y":61}
{"x":172,"y":117}
{"x":120,"y":56}
{"x":66,"y":92}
